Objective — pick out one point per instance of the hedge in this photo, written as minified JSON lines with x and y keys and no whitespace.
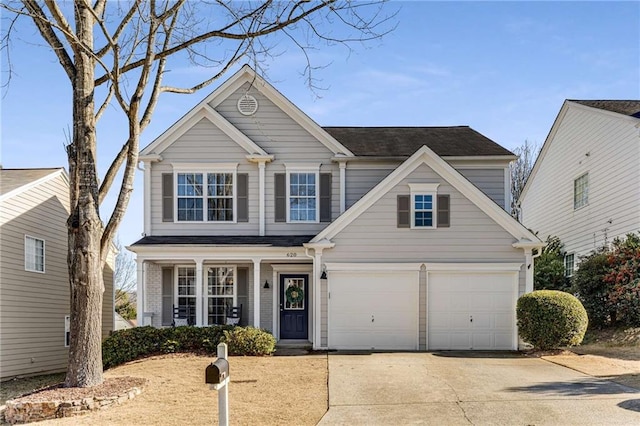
{"x":128,"y":345}
{"x":549,"y":319}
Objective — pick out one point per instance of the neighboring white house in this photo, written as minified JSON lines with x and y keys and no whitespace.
{"x":343,"y":237}
{"x":34,"y":280}
{"x":585,"y":185}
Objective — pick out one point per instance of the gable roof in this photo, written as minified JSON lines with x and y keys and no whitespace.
{"x":246,"y":74}
{"x":624,"y":107}
{"x":16,"y":181}
{"x":426,"y":156}
{"x":404,"y":141}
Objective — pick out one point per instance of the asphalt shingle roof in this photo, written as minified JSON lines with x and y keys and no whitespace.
{"x":271,"y":240}
{"x":11,"y":179}
{"x":625,"y":107}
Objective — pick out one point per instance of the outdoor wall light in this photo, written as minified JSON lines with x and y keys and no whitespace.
{"x":324,"y":275}
{"x":266,"y":284}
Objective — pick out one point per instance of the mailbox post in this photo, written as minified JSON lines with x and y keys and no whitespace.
{"x":217,"y":376}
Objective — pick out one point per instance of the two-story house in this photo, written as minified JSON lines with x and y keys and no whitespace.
{"x":34,"y":278}
{"x":344,"y":237}
{"x":585,"y":185}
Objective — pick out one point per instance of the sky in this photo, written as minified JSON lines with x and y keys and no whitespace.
{"x":503,"y":68}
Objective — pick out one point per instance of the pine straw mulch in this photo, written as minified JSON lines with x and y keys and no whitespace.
{"x":111,"y":387}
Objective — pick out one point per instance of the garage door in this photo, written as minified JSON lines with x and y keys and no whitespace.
{"x":373,"y":310}
{"x":471,"y":310}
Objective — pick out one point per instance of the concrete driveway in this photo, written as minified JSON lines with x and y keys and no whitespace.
{"x":471,"y":388}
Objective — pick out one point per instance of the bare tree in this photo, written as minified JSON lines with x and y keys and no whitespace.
{"x":121,"y":50}
{"x":520,"y":171}
{"x":125,"y":277}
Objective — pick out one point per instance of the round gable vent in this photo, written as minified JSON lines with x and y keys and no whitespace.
{"x":247,"y":105}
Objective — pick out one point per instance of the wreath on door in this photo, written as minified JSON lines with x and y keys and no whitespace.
{"x":294,"y":294}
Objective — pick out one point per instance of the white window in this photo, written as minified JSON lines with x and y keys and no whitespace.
{"x":67,"y":331}
{"x":581,"y":191}
{"x":303,"y":202}
{"x":220,"y":293}
{"x":206,"y":196}
{"x":186,"y":294}
{"x":569,"y":265}
{"x":423,"y":205}
{"x":33,"y":254}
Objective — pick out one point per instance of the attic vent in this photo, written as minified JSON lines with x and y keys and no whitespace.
{"x":247,"y":105}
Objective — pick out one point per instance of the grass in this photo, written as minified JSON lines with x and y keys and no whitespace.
{"x":17,"y":387}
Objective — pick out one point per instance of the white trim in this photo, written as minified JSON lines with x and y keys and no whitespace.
{"x":507,"y":189}
{"x":146,"y":186}
{"x":256,"y":292}
{"x":44,"y":255}
{"x":343,"y":186}
{"x":261,"y":198}
{"x":176,"y":277}
{"x":426,"y":156}
{"x":32,"y":184}
{"x":302,"y":268}
{"x":425,"y":189}
{"x":372,"y":267}
{"x":473,"y":267}
{"x":302,"y":169}
{"x":204,"y":170}
{"x":204,"y":167}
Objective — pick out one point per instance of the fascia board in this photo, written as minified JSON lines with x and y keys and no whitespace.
{"x":24,"y":188}
{"x":453,"y":177}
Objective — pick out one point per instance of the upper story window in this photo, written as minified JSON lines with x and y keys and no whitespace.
{"x":423,"y":205}
{"x":33,"y":254}
{"x":206,"y":196}
{"x":581,"y":191}
{"x":569,"y":265}
{"x":302,"y":194}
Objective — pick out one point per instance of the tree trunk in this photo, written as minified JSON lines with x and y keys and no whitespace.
{"x":84,"y":224}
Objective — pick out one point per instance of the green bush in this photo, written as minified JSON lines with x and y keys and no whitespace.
{"x":623,"y":279}
{"x":249,"y":341}
{"x":549,"y":271}
{"x":549,"y":319}
{"x":593,"y":291}
{"x":127,"y":345}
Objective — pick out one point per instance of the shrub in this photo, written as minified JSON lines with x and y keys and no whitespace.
{"x":249,"y":341}
{"x":623,"y":280}
{"x":593,"y":291}
{"x":549,"y":267}
{"x":549,"y":319}
{"x":127,"y":345}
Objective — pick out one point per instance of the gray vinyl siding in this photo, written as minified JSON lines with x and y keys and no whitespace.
{"x":613,"y":149}
{"x":278,"y":134}
{"x":361,"y":178}
{"x":203,"y":143}
{"x":33,"y":305}
{"x":489,"y":181}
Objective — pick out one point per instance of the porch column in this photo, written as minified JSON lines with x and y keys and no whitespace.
{"x":528,"y":282}
{"x":317,"y":293}
{"x":256,"y":293}
{"x":199,"y":294}
{"x":261,"y":210}
{"x":343,"y":186}
{"x":140,"y":290}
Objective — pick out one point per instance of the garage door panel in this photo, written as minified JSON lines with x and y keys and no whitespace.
{"x":454,"y":298}
{"x":390,"y":298}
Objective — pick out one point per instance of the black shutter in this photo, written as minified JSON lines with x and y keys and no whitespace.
{"x":404,"y":211}
{"x":167,"y":296}
{"x":325,"y":197}
{"x":444,"y":220}
{"x":280,"y":197}
{"x":167,"y":197}
{"x":243,"y":294}
{"x":243,"y":197}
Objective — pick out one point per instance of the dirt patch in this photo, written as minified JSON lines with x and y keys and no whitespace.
{"x":110,"y":387}
{"x":17,"y":387}
{"x":263,"y":390}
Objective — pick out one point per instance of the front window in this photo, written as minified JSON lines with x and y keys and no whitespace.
{"x":303,"y":197}
{"x":423,"y":210}
{"x":581,"y":191}
{"x":220,"y":293}
{"x":187,"y":292}
{"x":569,"y":265}
{"x":211,"y":203}
{"x":33,"y":254}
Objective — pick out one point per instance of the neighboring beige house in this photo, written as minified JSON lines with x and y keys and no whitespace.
{"x":338,"y":237}
{"x":585,"y":185}
{"x":34,"y":283}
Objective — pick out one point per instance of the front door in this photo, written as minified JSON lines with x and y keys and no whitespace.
{"x":294,"y":302}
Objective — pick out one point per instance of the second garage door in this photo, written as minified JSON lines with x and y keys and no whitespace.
{"x":373,"y":310}
{"x":471,"y":310}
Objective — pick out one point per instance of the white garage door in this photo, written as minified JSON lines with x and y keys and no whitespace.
{"x":471,"y":310}
{"x":373,"y":310}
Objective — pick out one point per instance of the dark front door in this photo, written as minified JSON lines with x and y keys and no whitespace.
{"x":294,"y":306}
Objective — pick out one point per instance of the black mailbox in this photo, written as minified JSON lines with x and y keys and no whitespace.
{"x":217,"y":371}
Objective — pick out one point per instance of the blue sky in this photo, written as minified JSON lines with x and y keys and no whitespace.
{"x":503,"y":68}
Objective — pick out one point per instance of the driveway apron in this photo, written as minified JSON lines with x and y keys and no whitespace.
{"x":451,"y":388}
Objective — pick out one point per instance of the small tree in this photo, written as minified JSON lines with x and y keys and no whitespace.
{"x":125,"y":281}
{"x":623,"y":280}
{"x":593,"y":291}
{"x":520,"y":170}
{"x":549,"y":273}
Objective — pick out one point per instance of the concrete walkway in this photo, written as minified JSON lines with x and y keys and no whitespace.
{"x":471,"y":388}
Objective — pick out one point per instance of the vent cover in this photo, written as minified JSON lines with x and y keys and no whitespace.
{"x":247,"y":105}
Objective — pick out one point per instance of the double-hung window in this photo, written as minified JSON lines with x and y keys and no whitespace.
{"x":569,"y":264}
{"x":33,"y":254}
{"x":302,"y":194}
{"x":423,"y":205}
{"x":220,"y":293}
{"x":186,"y":294}
{"x":581,"y":191}
{"x":206,"y":196}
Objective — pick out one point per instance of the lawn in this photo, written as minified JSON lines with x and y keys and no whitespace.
{"x":263,"y":390}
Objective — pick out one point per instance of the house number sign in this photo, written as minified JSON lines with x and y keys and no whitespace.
{"x":292,"y":254}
